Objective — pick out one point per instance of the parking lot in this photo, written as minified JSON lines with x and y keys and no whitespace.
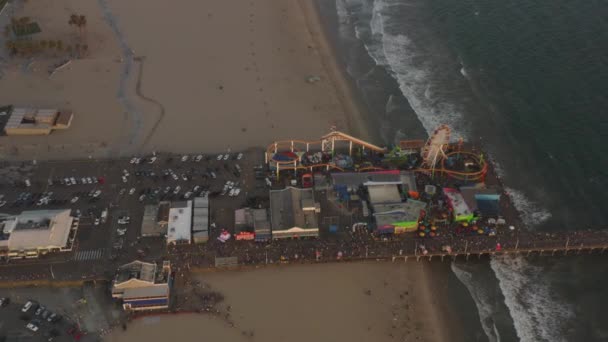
{"x":76,"y":310}
{"x":101,"y":192}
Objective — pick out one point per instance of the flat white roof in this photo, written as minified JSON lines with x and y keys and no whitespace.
{"x":41,"y":229}
{"x":180,"y":223}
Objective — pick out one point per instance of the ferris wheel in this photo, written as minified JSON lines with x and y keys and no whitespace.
{"x":433,"y":152}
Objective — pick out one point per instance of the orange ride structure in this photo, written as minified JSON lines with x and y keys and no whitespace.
{"x":288,"y":154}
{"x":439,"y":156}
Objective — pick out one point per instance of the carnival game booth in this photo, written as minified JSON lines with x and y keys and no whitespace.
{"x":460,"y":210}
{"x":482,"y":200}
{"x":403,"y":216}
{"x":252,"y":224}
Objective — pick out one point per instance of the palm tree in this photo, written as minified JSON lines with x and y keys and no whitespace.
{"x":59,"y":45}
{"x":79,"y":22}
{"x":85,"y":49}
{"x":44,"y":44}
{"x":51,"y":44}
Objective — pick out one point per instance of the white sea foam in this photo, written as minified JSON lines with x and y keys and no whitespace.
{"x":531,"y":213}
{"x":482,"y":301}
{"x":536,"y":314}
{"x":415,"y":73}
{"x":463,"y":72}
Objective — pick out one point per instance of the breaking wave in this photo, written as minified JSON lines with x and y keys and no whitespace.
{"x":482,"y":301}
{"x":407,"y":59}
{"x":415,"y":63}
{"x":536,"y":314}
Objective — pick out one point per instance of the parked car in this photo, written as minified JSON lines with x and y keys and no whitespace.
{"x":53,"y":318}
{"x":29,"y":306}
{"x":240,"y":156}
{"x":32,"y":326}
{"x":177,"y":189}
{"x":4,"y":301}
{"x":199,"y":158}
{"x":220,"y":157}
{"x":39,"y":310}
{"x":185,"y":158}
{"x":131,"y":191}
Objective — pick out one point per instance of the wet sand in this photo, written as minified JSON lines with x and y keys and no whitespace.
{"x":331,"y":302}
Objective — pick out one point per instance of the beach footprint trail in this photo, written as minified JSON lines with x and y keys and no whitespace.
{"x":128,"y":59}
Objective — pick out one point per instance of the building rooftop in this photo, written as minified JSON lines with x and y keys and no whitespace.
{"x":355,"y":179}
{"x":139,"y":270}
{"x":290,"y":208}
{"x":379,"y":194}
{"x":163,"y":212}
{"x":149,"y":224}
{"x":180,"y":222}
{"x":41,"y":229}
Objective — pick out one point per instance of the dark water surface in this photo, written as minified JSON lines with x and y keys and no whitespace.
{"x":528,"y":80}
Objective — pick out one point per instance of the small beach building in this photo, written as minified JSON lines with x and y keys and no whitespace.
{"x":31,"y":121}
{"x":142,"y":286}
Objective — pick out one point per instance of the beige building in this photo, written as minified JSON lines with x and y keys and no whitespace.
{"x":142,"y":286}
{"x":294,"y":213}
{"x":37,"y":232}
{"x":31,"y":121}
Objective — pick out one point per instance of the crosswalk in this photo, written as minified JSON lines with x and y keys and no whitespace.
{"x":87,"y":255}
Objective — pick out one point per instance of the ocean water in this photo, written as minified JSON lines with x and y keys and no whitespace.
{"x":527,"y":80}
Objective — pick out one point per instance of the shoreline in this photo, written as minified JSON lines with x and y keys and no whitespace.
{"x":377,"y":301}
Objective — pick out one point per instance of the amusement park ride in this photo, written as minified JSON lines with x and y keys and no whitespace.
{"x":438,"y":155}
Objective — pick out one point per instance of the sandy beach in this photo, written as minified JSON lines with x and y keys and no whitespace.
{"x":330,"y":302}
{"x":209,"y":77}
